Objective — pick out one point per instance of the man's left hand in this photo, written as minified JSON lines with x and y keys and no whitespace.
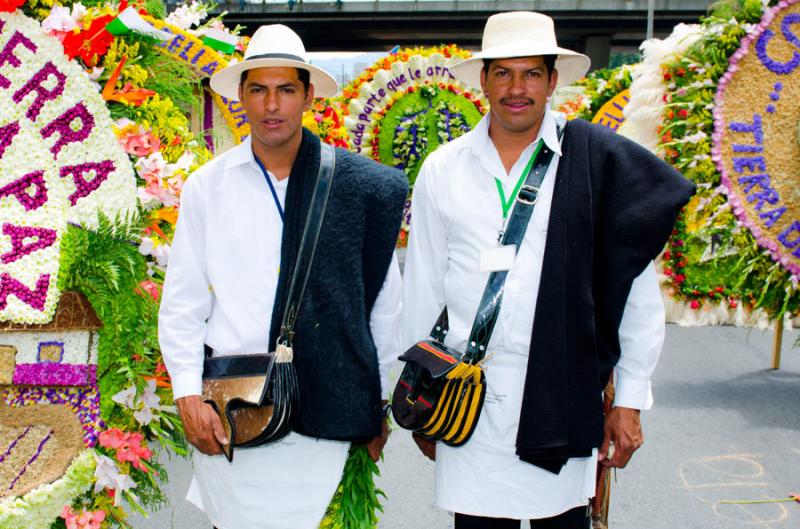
{"x":623,"y":429}
{"x":375,"y":447}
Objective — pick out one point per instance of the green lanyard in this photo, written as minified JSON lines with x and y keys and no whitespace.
{"x":506,"y":205}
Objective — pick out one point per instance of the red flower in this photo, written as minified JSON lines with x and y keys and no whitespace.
{"x":667,"y":271}
{"x":680,"y":72}
{"x":732,"y":303}
{"x":9,"y":6}
{"x":680,"y":278}
{"x":694,"y":304}
{"x":151,"y":288}
{"x":683,"y":113}
{"x":90,"y":43}
{"x":667,"y":76}
{"x":667,"y":255}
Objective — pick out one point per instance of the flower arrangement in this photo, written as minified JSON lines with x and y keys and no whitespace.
{"x":714,"y":264}
{"x":596,"y":89}
{"x":407,"y":104}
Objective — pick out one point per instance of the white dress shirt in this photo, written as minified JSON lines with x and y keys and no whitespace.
{"x":219,"y":290}
{"x":455,"y":214}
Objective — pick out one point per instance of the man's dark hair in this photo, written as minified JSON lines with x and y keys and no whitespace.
{"x":549,"y":64}
{"x":302,"y":74}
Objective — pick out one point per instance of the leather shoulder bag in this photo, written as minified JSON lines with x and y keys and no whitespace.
{"x":440,"y":392}
{"x":256,"y":395}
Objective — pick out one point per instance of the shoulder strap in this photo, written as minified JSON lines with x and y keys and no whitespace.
{"x":308,"y":244}
{"x":489,"y":307}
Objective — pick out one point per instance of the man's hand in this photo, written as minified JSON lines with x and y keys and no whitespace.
{"x":624,"y":430}
{"x":428,"y":448}
{"x":375,"y":447}
{"x":201,"y":424}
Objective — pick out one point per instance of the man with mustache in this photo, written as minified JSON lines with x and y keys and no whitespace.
{"x":580,"y":299}
{"x":236,"y":246}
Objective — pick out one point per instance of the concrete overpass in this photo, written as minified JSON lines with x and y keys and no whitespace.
{"x":595,"y":27}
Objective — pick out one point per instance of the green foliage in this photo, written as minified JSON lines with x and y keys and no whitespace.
{"x":600,"y":86}
{"x":110,"y":279}
{"x":167,"y":76}
{"x":356,"y":501}
{"x":420,"y":121}
{"x":741,"y":10}
{"x":156,"y":8}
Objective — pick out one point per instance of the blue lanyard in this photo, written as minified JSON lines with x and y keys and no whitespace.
{"x":271,"y":187}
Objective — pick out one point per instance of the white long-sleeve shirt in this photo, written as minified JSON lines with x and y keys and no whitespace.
{"x":456,"y":213}
{"x":220,"y":289}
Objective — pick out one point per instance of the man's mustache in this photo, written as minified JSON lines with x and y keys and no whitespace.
{"x":517,"y":100}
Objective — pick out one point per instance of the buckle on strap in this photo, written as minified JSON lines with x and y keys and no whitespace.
{"x":528,"y":195}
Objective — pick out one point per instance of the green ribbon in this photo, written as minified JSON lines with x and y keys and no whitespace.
{"x":506,"y":204}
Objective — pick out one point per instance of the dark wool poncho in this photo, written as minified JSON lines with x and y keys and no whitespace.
{"x":334,"y":354}
{"x":614,"y":206}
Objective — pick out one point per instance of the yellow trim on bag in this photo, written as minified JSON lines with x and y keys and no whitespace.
{"x":466,"y":371}
{"x":473,"y":411}
{"x":437,"y":419}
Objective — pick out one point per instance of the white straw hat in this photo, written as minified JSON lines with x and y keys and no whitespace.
{"x":272,"y":46}
{"x":521,"y":34}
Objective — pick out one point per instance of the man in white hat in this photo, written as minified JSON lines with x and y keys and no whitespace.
{"x":235,"y":248}
{"x":581,"y":297}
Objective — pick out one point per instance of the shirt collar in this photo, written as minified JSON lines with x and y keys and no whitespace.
{"x":480,"y":140}
{"x":241,"y":155}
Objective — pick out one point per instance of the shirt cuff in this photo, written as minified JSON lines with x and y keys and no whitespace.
{"x":187,"y":384}
{"x":632,"y":392}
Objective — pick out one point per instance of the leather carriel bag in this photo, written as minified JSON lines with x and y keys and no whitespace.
{"x":440,"y":392}
{"x":439,"y":395}
{"x":256,"y":395}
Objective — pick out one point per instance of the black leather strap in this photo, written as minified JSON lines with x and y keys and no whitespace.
{"x":489,"y":307}
{"x":308,"y":244}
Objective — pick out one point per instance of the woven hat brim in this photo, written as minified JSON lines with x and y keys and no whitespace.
{"x":571,"y":65}
{"x":226,"y":81}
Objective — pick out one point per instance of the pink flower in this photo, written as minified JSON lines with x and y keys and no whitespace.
{"x":84,"y":520}
{"x":140,"y":143}
{"x":130,"y":447}
{"x":151,"y":288}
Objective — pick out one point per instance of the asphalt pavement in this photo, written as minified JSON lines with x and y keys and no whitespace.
{"x":724,"y":427}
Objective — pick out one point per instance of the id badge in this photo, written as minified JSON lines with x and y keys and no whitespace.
{"x":498,"y":258}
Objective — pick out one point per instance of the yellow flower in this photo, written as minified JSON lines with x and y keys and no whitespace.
{"x":169,"y":215}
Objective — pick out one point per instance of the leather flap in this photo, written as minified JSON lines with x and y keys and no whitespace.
{"x":434,"y":357}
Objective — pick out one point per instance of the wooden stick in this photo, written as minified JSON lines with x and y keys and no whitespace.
{"x":776,"y":344}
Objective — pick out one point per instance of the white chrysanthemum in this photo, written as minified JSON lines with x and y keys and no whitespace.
{"x":643,"y":112}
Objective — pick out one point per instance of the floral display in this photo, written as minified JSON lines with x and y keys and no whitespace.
{"x":585,"y":98}
{"x":407,"y":104}
{"x":55,"y":127}
{"x":716,"y":268}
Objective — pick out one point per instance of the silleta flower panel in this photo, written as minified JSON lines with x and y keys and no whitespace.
{"x":59,"y":163}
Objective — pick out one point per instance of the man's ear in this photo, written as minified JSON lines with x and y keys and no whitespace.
{"x":483,"y":80}
{"x":553,"y":82}
{"x":309,"y":97}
